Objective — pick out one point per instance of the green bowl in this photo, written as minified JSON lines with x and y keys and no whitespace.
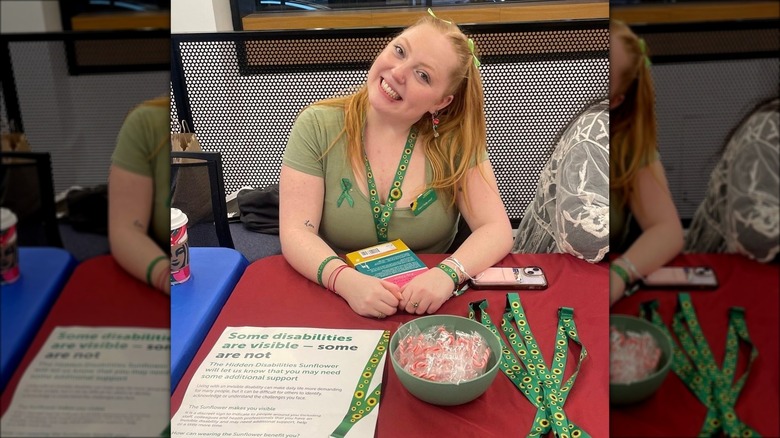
{"x":622,"y":393}
{"x":448,"y":394}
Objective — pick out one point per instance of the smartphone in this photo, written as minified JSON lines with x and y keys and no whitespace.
{"x":688,"y":277}
{"x":528,"y":277}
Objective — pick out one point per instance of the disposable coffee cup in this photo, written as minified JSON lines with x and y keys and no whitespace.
{"x":9,"y":248}
{"x":180,"y":247}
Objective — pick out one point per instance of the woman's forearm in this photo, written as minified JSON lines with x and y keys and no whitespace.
{"x":140,"y":256}
{"x":484,"y":247}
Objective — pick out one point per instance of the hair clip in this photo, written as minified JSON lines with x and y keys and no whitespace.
{"x":473,"y":55}
{"x":430,"y":11}
{"x":643,"y":49}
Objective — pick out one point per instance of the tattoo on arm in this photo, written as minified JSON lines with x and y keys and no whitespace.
{"x":139,"y":225}
{"x":308,"y":223}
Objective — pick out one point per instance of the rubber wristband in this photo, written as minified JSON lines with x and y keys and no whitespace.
{"x":617,"y":269}
{"x":322,"y":268}
{"x":450,"y":272}
{"x":151,"y":266}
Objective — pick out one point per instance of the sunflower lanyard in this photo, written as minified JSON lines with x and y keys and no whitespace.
{"x":382,"y":214}
{"x":698,"y":369}
{"x":361,"y":396}
{"x":540,"y":385}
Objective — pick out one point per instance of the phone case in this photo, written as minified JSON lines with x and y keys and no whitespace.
{"x":688,"y":277}
{"x":527,"y":278}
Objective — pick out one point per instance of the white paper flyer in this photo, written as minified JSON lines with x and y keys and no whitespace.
{"x":94,"y":382}
{"x":286,"y":382}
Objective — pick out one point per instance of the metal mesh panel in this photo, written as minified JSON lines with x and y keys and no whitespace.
{"x":244,"y":95}
{"x":75,"y":118}
{"x":707,"y":77}
{"x":697,"y":106}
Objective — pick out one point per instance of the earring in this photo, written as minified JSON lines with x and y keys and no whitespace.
{"x":435,"y":122}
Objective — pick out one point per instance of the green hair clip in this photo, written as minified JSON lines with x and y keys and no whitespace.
{"x":643,"y":49}
{"x":470,"y":41}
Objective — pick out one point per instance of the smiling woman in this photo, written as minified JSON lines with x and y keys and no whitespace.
{"x":354,"y":167}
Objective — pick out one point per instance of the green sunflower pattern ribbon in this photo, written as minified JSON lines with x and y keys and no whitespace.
{"x":540,"y":384}
{"x":694,"y":363}
{"x":364,"y":400}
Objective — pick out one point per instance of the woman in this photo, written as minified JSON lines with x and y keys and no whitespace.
{"x":139,"y":193}
{"x":644,"y":224}
{"x":422,"y":103}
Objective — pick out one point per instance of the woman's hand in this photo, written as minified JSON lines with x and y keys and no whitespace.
{"x":426,"y":292}
{"x":368,"y":296}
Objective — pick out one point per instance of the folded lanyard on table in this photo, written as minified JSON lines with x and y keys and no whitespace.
{"x":696,"y":367}
{"x":540,"y":384}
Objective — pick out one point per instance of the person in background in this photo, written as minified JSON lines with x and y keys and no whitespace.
{"x":139,"y":194}
{"x":644,"y":225}
{"x":354,"y":166}
{"x":740,"y":212}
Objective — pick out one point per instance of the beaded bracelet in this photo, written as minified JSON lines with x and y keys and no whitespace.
{"x":151,"y":266}
{"x":459,"y":267}
{"x":322,"y":267}
{"x":631,"y":267}
{"x":450,"y":272}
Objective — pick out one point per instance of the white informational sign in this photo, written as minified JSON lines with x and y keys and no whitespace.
{"x":287,"y":383}
{"x":94,"y":382}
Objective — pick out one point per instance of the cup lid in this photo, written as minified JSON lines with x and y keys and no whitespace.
{"x":7,"y":218}
{"x":178,"y":218}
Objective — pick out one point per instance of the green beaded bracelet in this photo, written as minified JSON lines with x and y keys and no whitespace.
{"x":450,"y":272}
{"x":322,"y":267}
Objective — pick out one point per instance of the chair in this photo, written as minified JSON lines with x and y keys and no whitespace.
{"x":27,"y":189}
{"x":189,"y":195}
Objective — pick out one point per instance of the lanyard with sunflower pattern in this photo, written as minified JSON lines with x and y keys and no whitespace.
{"x":698,"y":370}
{"x":363,"y":399}
{"x":540,"y":385}
{"x":382,"y":214}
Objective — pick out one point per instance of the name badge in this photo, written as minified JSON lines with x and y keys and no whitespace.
{"x":422,"y":202}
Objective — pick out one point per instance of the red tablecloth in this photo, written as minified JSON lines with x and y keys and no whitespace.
{"x":272,"y":294}
{"x":674,"y":410}
{"x":99,"y":294}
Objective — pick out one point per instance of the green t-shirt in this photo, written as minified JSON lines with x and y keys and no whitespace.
{"x":144,"y":130}
{"x":623,"y":227}
{"x":350,"y":228}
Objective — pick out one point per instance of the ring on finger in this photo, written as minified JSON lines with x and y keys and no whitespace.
{"x":381,"y":315}
{"x":415,"y":305}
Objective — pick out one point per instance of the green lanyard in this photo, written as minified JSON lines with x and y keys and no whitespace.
{"x":696,"y":366}
{"x":540,"y":384}
{"x":382,"y":214}
{"x":364,"y":400}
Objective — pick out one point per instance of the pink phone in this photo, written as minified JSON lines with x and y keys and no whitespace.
{"x":528,"y":277}
{"x":686,"y":277}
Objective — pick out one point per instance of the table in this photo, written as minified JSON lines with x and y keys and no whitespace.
{"x":196,"y":302}
{"x":744,"y":283}
{"x":270,"y":294}
{"x":99,"y":293}
{"x":26,"y":301}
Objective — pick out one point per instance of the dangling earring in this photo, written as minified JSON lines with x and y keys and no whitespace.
{"x":435,"y":122}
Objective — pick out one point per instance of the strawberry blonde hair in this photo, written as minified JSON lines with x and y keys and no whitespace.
{"x":633,"y":138}
{"x":462,"y":132}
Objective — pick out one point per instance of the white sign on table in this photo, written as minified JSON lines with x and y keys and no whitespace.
{"x":94,"y":382}
{"x":286,"y":382}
